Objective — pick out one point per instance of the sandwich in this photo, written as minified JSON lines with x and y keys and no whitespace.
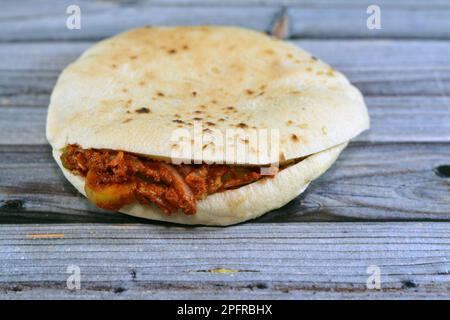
{"x":204,"y":125}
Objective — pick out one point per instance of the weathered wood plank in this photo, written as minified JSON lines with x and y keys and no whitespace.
{"x":412,"y":4}
{"x":47,"y":5}
{"x":28,"y":71}
{"x":406,"y":84}
{"x":370,"y":181}
{"x":308,"y":19}
{"x":407,"y":93}
{"x":402,"y":119}
{"x":314,"y":260}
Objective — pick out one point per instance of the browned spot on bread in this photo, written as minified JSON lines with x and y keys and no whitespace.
{"x":160,"y":94}
{"x":197,"y":119}
{"x":282,"y":157}
{"x":242,"y":125}
{"x":185,"y":47}
{"x":205,"y":146}
{"x":142,"y":83}
{"x":142,"y":110}
{"x":178,"y":121}
{"x":198,"y":111}
{"x":124,"y":90}
{"x":133,"y":57}
{"x":209,"y":123}
{"x":249,"y":92}
{"x":294,"y":138}
{"x":289,"y":122}
{"x":172,"y":51}
{"x":194,"y":93}
{"x":127,"y":120}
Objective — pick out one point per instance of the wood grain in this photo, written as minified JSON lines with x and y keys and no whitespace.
{"x":310,"y":19}
{"x":369,"y":181}
{"x":288,"y":261}
{"x":389,"y":174}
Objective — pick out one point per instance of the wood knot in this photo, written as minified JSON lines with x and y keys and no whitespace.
{"x":442,"y":171}
{"x":261,"y":285}
{"x":11,"y":205}
{"x":409,"y":284}
{"x":119,"y":290}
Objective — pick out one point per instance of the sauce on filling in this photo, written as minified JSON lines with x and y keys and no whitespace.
{"x":114,"y":179}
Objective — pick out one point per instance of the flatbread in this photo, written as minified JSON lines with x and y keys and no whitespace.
{"x":133,"y":91}
{"x":130,"y":92}
{"x":237,"y":205}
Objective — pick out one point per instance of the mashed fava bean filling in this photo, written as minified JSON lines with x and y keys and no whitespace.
{"x":114,"y":179}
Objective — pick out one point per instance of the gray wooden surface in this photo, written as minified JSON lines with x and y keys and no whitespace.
{"x":383,"y":203}
{"x":307,"y":260}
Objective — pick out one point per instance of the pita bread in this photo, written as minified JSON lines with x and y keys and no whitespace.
{"x":237,"y":205}
{"x":132,"y":91}
{"x":227,"y":77}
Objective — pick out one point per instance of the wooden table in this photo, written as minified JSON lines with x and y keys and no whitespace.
{"x":386,"y":202}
